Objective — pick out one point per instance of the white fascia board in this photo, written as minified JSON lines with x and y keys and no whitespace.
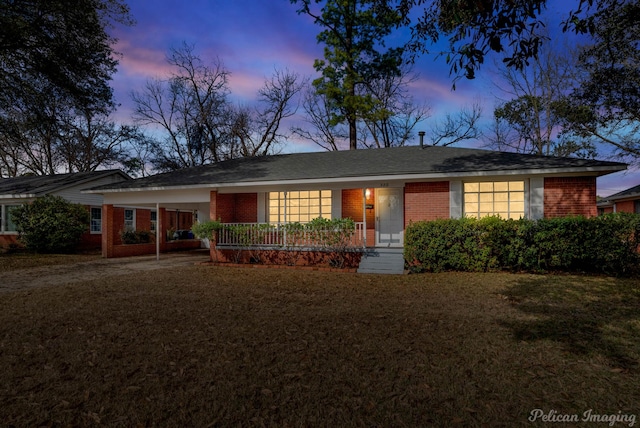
{"x":167,"y":196}
{"x":25,"y":196}
{"x":368,"y":181}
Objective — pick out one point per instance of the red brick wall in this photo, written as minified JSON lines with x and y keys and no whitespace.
{"x":625,"y":207}
{"x":118,"y":224}
{"x":567,"y":196}
{"x":426,"y":201}
{"x":246,"y":208}
{"x":143,"y":220}
{"x":352,"y":206}
{"x":7,"y":240}
{"x":234,"y":207}
{"x":107,"y":230}
{"x":225,"y":207}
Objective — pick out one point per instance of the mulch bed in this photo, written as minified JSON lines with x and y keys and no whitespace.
{"x":212,"y":346}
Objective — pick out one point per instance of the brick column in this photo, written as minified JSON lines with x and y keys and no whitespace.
{"x":213,"y":216}
{"x":162,"y":231}
{"x":213,"y":205}
{"x":107,"y":231}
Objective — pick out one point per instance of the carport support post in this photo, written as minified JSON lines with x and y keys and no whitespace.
{"x":158,"y":226}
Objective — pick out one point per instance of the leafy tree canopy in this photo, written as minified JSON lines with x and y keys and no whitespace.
{"x":60,"y":44}
{"x":475,"y":28}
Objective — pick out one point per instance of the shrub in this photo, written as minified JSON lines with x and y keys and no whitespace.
{"x":607,"y":244}
{"x":206,"y":229}
{"x":136,"y":236}
{"x":51,"y":224}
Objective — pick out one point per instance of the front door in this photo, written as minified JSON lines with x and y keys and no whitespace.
{"x":390,"y":217}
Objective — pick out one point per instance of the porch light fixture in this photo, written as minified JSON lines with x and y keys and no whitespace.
{"x":367,"y":195}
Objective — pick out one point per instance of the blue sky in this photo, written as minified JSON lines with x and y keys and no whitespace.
{"x":255,"y":37}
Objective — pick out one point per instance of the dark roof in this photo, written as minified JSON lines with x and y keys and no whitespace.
{"x":397,"y":161}
{"x":39,"y":185}
{"x":628,"y":193}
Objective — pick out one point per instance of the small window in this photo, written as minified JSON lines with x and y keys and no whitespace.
{"x":129,"y":220}
{"x":154,"y":220}
{"x":8,"y":225}
{"x":96,"y":220}
{"x":636,"y":206}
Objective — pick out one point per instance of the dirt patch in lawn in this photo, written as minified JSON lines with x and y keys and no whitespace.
{"x":217,"y":346}
{"x":31,"y":271}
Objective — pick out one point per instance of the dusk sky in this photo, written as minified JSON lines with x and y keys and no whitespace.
{"x":254,"y":37}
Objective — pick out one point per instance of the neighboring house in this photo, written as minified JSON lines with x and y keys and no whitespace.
{"x":382,"y":190}
{"x":627,"y":201}
{"x":21,"y":190}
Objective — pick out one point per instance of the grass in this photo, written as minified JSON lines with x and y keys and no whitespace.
{"x":25,"y":260}
{"x":215,"y":346}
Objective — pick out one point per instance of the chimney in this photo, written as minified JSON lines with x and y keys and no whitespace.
{"x":421,"y":134}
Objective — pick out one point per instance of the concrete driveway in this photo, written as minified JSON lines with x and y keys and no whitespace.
{"x":68,"y":273}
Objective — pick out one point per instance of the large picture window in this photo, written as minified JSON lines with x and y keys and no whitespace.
{"x":302,"y":206}
{"x":501,"y":198}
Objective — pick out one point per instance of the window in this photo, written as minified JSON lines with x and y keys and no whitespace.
{"x":302,"y":206}
{"x":129,"y":220}
{"x":96,"y":220}
{"x":636,"y":206}
{"x":154,"y":220}
{"x":6,"y":218}
{"x":502,"y":198}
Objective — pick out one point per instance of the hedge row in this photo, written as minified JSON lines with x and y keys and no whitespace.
{"x":606,"y":244}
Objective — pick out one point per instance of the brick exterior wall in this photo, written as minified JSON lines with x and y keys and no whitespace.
{"x":426,"y":201}
{"x":107,"y":230}
{"x":234,"y":207}
{"x":352,"y":208}
{"x":246,"y":208}
{"x":8,"y":240}
{"x":567,"y":196}
{"x":113,"y":223}
{"x":625,"y":207}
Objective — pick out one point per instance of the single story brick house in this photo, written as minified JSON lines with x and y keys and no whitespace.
{"x":627,"y":201}
{"x":382,"y":190}
{"x":20,"y":190}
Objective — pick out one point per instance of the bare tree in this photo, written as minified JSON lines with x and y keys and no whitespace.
{"x":92,"y":141}
{"x":394,"y":114}
{"x":190,"y":108}
{"x":321,"y":130}
{"x":530,"y":119}
{"x":453,"y":129}
{"x":257,"y":132}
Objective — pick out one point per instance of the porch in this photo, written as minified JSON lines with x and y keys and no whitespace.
{"x":290,"y":235}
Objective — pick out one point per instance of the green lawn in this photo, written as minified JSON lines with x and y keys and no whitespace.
{"x":215,"y":346}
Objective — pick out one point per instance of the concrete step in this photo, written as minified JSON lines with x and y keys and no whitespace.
{"x":383,"y":260}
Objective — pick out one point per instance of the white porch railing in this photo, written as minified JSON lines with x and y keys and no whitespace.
{"x":278,"y":235}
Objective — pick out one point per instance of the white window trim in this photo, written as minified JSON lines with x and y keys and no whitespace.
{"x":328,"y":215}
{"x":125,"y":218}
{"x":93,"y":232}
{"x":525,"y":194}
{"x":3,"y":219}
{"x":153,"y":224}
